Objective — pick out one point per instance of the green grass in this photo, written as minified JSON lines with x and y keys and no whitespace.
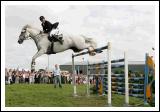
{"x":45,"y":95}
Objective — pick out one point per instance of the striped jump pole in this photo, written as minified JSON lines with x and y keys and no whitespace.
{"x":98,"y":50}
{"x":146,"y":70}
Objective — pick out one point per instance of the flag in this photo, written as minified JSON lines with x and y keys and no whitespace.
{"x":150,"y":62}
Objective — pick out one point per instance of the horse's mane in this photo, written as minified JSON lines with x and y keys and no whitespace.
{"x":29,"y":26}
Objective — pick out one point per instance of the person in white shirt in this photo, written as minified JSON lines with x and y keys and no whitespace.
{"x":10,"y":76}
{"x":57,"y":76}
{"x":31,"y":77}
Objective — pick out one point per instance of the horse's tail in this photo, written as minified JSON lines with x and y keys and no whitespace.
{"x":90,"y":41}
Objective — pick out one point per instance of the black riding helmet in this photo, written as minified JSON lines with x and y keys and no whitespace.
{"x":41,"y":17}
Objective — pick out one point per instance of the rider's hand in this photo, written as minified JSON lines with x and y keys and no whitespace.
{"x":41,"y":32}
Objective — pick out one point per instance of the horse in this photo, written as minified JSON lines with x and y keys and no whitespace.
{"x":75,"y":42}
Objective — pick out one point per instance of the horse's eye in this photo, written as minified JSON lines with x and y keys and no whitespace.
{"x":23,"y":31}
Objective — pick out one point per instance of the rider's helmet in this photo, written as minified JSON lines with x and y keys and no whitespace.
{"x":41,"y":18}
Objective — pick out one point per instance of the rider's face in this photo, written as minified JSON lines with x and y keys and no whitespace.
{"x":42,"y":20}
{"x":56,"y":65}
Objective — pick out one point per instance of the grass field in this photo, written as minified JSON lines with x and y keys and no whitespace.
{"x":45,"y":95}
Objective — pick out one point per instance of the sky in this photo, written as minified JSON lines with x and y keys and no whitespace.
{"x":129,"y":28}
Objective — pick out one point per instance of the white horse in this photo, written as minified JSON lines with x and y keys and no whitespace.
{"x":75,"y":42}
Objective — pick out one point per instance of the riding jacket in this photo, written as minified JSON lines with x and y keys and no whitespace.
{"x":47,"y":26}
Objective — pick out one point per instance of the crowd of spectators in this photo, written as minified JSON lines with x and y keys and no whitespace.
{"x":26,"y":76}
{"x":16,"y":76}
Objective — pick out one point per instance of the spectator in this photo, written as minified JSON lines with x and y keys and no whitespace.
{"x":6,"y":75}
{"x":37,"y":77}
{"x":10,"y":76}
{"x":23,"y":77}
{"x":31,"y":77}
{"x":57,"y":74}
{"x":13,"y":76}
{"x":42,"y":77}
{"x":17,"y":77}
{"x":45,"y":77}
{"x":49,"y":77}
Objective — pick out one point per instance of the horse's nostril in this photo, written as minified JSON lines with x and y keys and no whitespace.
{"x":19,"y":41}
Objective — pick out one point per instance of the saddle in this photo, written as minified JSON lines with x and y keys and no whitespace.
{"x":55,"y":38}
{"x":52,"y":39}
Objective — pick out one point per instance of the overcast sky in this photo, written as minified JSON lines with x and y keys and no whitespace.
{"x":130,"y":28}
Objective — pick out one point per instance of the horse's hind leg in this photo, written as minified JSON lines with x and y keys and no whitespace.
{"x":91,"y":51}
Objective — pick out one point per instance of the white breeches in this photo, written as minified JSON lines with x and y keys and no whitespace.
{"x":54,"y":32}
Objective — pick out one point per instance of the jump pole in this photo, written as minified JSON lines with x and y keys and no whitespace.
{"x":88,"y":82}
{"x":126,"y":79}
{"x":74,"y":77}
{"x":146,"y":78}
{"x":109,"y":75}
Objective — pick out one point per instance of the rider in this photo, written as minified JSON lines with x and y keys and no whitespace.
{"x":48,"y":28}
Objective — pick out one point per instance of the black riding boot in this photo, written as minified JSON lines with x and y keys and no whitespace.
{"x":58,"y":38}
{"x":61,"y":40}
{"x":50,"y":38}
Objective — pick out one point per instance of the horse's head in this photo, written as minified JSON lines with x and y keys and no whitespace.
{"x":24,"y":35}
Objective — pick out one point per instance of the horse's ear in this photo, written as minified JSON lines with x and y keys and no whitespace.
{"x":27,"y":26}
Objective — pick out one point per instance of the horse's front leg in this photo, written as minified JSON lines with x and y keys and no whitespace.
{"x":39,"y":53}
